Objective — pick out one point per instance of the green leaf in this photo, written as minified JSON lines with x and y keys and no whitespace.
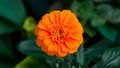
{"x":109,"y":13}
{"x":88,"y":29}
{"x":86,"y":6}
{"x":13,"y":11}
{"x":86,"y":15}
{"x":75,"y":7}
{"x":108,"y":32}
{"x":6,"y":65}
{"x":114,"y":16}
{"x":5,"y":46}
{"x":101,"y":0}
{"x":111,"y":58}
{"x":29,"y":47}
{"x":12,"y":17}
{"x":97,"y":50}
{"x":31,"y":62}
{"x":102,"y":9}
{"x":96,"y":21}
{"x":86,"y":10}
{"x":80,"y":56}
{"x":7,"y":58}
{"x":6,"y":26}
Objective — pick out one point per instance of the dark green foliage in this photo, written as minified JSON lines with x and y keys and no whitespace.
{"x":12,"y":15}
{"x":110,"y":59}
{"x":108,"y":32}
{"x":109,"y":13}
{"x":99,"y":18}
{"x":31,"y":62}
{"x":29,"y":47}
{"x":80,"y":56}
{"x":7,"y":58}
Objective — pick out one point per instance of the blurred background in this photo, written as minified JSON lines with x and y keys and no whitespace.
{"x":18,"y":18}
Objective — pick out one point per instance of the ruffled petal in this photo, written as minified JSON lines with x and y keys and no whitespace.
{"x":44,"y":49}
{"x":66,"y":19}
{"x":42,"y":34}
{"x":47,"y":42}
{"x":52,"y":49}
{"x":64,"y":48}
{"x":76,"y":36}
{"x":39,"y":42}
{"x":49,"y":27}
{"x":72,"y":44}
{"x":76,"y":27}
{"x":54,"y":17}
{"x":59,"y":52}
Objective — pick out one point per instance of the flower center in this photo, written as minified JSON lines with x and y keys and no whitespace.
{"x":59,"y":33}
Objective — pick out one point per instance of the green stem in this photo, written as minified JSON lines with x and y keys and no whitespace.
{"x":68,"y":61}
{"x":53,"y":62}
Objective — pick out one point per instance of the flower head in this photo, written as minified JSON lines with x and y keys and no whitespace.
{"x":59,"y":33}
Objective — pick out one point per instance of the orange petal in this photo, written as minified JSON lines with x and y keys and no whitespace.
{"x":47,"y":42}
{"x":39,"y":42}
{"x":44,"y":49}
{"x":76,"y":36}
{"x":36,"y":30}
{"x":57,"y":17}
{"x":60,"y":53}
{"x":72,"y":44}
{"x":54,"y":17}
{"x":64,"y":48}
{"x":70,"y":27}
{"x":64,"y":14}
{"x":52,"y":49}
{"x":51,"y":53}
{"x":45,"y":24}
{"x":66,"y":18}
{"x":72,"y":51}
{"x":46,"y":16}
{"x":40,"y":25}
{"x":43,"y":34}
{"x":76,"y":27}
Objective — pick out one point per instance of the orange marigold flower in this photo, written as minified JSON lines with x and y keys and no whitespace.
{"x":59,"y":33}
